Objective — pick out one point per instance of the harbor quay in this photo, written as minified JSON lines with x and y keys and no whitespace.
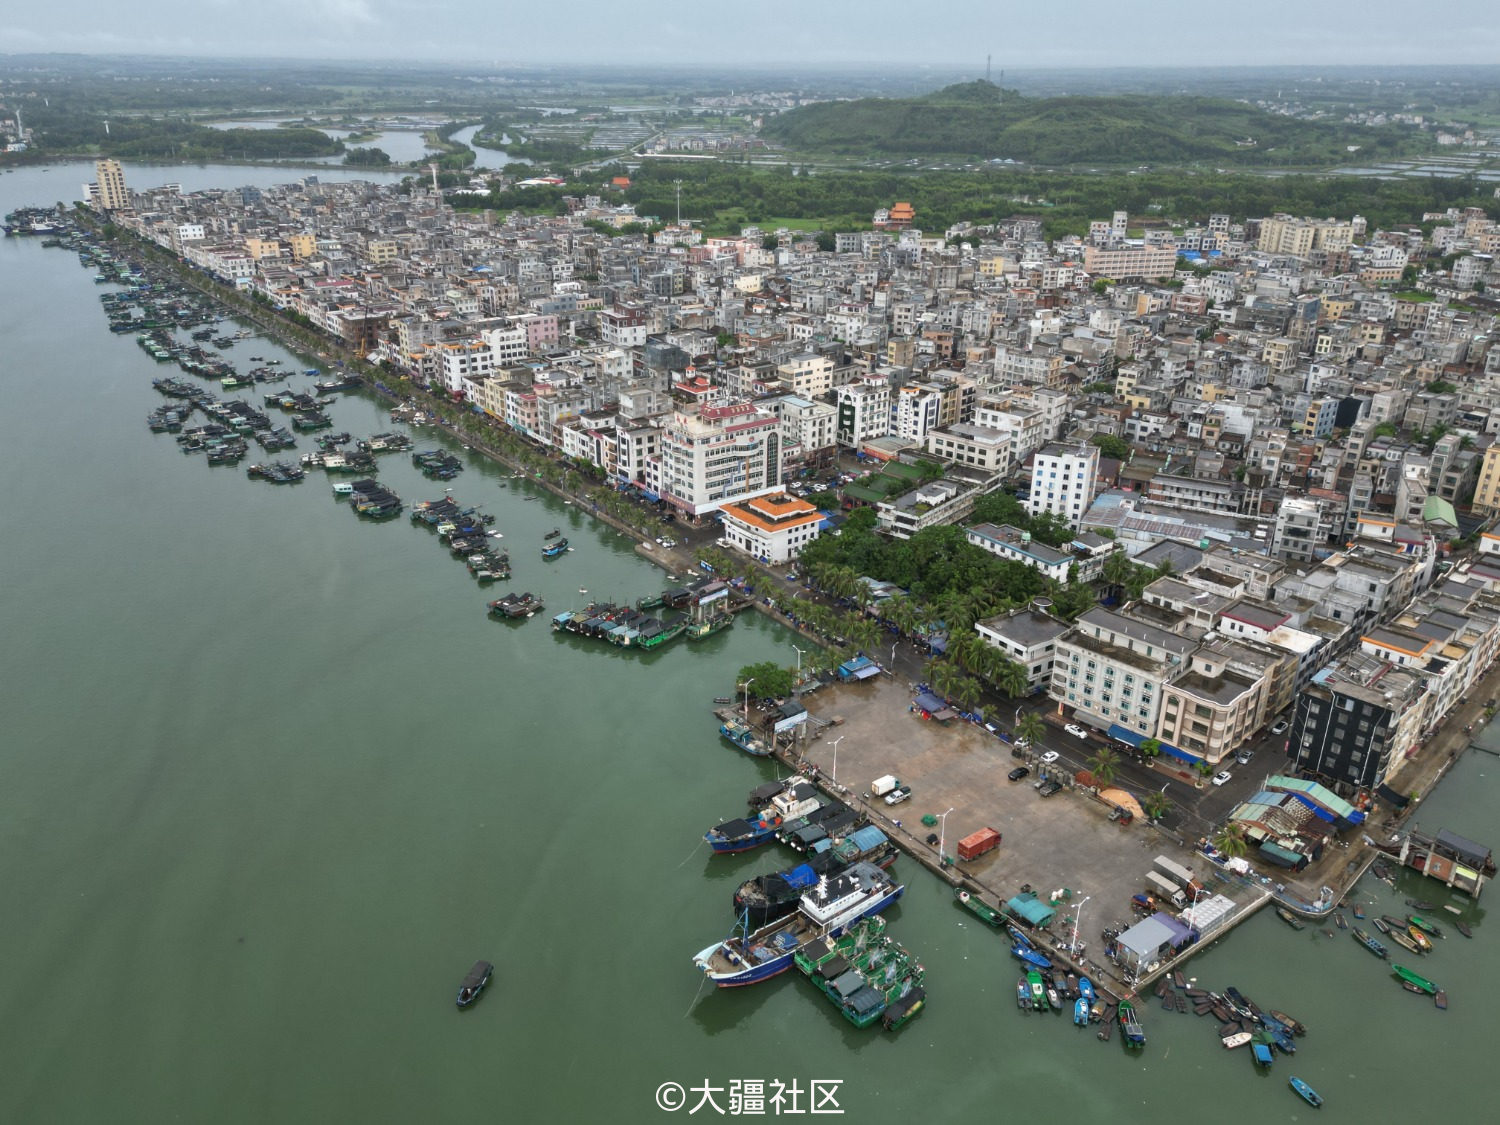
{"x":1064,"y":848}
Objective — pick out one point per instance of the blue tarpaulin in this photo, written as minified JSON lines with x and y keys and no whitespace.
{"x":929,"y":703}
{"x":1131,"y":738}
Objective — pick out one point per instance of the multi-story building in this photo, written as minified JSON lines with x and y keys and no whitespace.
{"x":1029,"y":637}
{"x":978,"y":446}
{"x":1064,"y":479}
{"x":864,"y":407}
{"x":715,"y":455}
{"x":773,"y":529}
{"x":110,"y":177}
{"x":1357,"y":721}
{"x":1130,"y":261}
{"x":1487,"y":491}
{"x":1112,"y":669}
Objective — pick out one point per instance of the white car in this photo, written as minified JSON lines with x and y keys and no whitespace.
{"x":1049,"y":757}
{"x":1222,"y":776}
{"x":1280,"y":727}
{"x":1076,"y":731}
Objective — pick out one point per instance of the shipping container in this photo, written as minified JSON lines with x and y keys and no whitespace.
{"x":977,"y":843}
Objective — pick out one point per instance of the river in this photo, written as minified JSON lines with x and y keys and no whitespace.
{"x":272,"y":781}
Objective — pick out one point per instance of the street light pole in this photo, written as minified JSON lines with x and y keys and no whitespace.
{"x":798,"y":651}
{"x":942,"y":835}
{"x":835,"y":744}
{"x":1078,"y":922}
{"x":746,"y":686}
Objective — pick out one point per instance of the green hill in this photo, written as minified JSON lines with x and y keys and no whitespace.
{"x":981,"y":121}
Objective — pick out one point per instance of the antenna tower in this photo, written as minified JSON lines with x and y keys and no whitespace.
{"x":677,"y":185}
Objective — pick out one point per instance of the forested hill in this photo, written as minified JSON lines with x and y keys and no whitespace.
{"x":981,"y":121}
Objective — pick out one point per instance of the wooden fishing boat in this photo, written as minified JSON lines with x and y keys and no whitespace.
{"x":1297,"y":1027}
{"x":1382,"y":925}
{"x":1423,"y":924}
{"x":1424,"y":943}
{"x":1370,"y":943}
{"x":1340,"y":921}
{"x":1305,"y":1092}
{"x":1463,"y":927}
{"x":1400,"y":938}
{"x":1440,"y":998}
{"x":1289,"y":918}
{"x":1421,"y":904}
{"x":1414,"y":978}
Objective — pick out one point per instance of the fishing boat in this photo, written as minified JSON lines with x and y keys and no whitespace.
{"x":1370,"y":943}
{"x":738,"y":734}
{"x":1029,"y":956}
{"x":863,"y":972}
{"x":1414,"y":978}
{"x":741,"y":834}
{"x":1423,"y":942}
{"x":1401,"y":938}
{"x":710,"y":625}
{"x":1081,"y":1012}
{"x":979,"y":908}
{"x":1289,"y":918}
{"x":1261,"y":1054}
{"x":765,"y":898}
{"x":1130,"y":1026}
{"x":1023,"y":995}
{"x":1305,"y":1092}
{"x":1440,"y":998}
{"x":1382,"y":925}
{"x":1463,"y":927}
{"x":1038,"y":990}
{"x":1297,"y":1028}
{"x":825,"y":911}
{"x":552,"y":550}
{"x":1409,"y":987}
{"x":555,"y":532}
{"x":516,"y":605}
{"x":1421,"y":904}
{"x":474,"y":983}
{"x":1358,"y":911}
{"x":1235,"y":1039}
{"x":1086,"y":990}
{"x":1424,"y":925}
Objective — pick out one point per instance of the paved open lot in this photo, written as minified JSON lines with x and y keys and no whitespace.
{"x":1066,"y":840}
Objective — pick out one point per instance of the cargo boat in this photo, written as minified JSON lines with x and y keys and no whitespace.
{"x":738,"y":734}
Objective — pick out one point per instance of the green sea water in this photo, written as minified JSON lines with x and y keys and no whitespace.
{"x":270,"y":781}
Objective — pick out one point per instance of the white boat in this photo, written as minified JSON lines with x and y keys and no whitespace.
{"x":1238,"y":1039}
{"x":343,"y":488}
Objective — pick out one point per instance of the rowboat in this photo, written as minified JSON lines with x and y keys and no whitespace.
{"x":1420,"y":904}
{"x":1400,"y":938}
{"x":1414,"y":978}
{"x":1341,"y":921}
{"x":1297,"y":1027}
{"x":1463,"y":928}
{"x":1306,"y":1092}
{"x":1423,"y":924}
{"x":1440,"y":998}
{"x":1382,"y":925}
{"x":1424,"y":943}
{"x":1288,"y":917}
{"x":1370,"y":943}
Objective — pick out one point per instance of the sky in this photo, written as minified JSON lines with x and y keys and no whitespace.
{"x":949,"y":33}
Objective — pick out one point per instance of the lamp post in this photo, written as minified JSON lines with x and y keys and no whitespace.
{"x":799,"y":652}
{"x":1078,"y":921}
{"x":834,"y":742}
{"x":746,"y":686}
{"x":942,"y":835}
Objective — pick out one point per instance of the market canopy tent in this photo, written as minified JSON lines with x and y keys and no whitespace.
{"x":1031,"y":909}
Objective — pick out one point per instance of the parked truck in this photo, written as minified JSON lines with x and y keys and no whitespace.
{"x":1173,"y":870}
{"x":1163,"y":887}
{"x":883,"y":785}
{"x":977,"y":843}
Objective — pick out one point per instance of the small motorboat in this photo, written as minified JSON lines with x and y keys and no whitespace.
{"x":1440,"y":998}
{"x":1382,"y":925}
{"x":1341,"y":922}
{"x":1306,"y":1092}
{"x":474,"y":983}
{"x":1261,"y":1054}
{"x":1463,"y":928}
{"x":553,"y":534}
{"x":1236,"y":1039}
{"x":1421,"y":904}
{"x":1420,"y":923}
{"x":1288,"y":917}
{"x":1418,"y":989}
{"x":1358,"y":911}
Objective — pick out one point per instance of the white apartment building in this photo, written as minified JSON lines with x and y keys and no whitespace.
{"x":773,"y":529}
{"x":980,"y":446}
{"x":917,"y":412}
{"x":507,"y":345}
{"x":1064,"y":479}
{"x":715,"y":455}
{"x":471,"y":359}
{"x":864,"y":411}
{"x":1111,"y":670}
{"x":1029,"y":637}
{"x":807,"y":375}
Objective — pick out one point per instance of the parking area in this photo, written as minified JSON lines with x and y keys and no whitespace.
{"x":1066,"y":840}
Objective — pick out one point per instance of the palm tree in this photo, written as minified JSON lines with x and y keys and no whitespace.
{"x":1104,"y":765}
{"x":902,"y":613}
{"x":1117,"y":571}
{"x":1156,"y":805}
{"x":944,"y":676}
{"x":966,"y":692}
{"x":1230,"y":839}
{"x":1031,"y":728}
{"x":1011,"y":678}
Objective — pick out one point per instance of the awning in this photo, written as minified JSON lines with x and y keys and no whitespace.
{"x":929,"y":703}
{"x":1030,"y":908}
{"x":1391,"y":797}
{"x":865,"y":673}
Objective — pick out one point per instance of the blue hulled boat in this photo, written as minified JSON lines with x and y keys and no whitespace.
{"x":1029,"y":956}
{"x":741,"y":834}
{"x":1306,"y":1092}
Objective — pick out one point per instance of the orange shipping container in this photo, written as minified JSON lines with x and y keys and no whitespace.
{"x":977,"y":843}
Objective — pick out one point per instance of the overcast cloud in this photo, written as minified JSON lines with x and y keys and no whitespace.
{"x":944,"y":33}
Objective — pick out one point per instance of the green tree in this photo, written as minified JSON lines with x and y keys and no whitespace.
{"x":1112,"y":446}
{"x":1230,"y":839}
{"x":768,"y":680}
{"x":1031,"y":728}
{"x":1150,"y":748}
{"x":1104,"y":765}
{"x":1156,"y":805}
{"x":1012,"y":679}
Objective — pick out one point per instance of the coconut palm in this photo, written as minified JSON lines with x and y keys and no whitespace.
{"x":1030,"y":727}
{"x":1156,"y":805}
{"x":944,"y":676}
{"x":1011,"y":677}
{"x":965,"y":692}
{"x":1104,"y":765}
{"x":1230,"y":839}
